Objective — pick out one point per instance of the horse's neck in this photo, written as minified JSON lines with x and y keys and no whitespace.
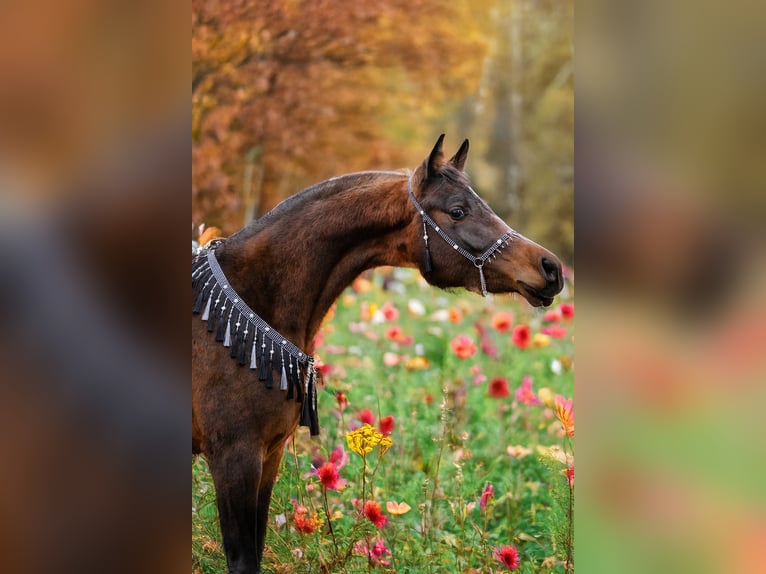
{"x":293,"y":265}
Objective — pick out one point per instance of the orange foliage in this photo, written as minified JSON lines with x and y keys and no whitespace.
{"x":286,"y":93}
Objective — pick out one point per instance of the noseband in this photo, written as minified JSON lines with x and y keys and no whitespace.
{"x":477,"y":261}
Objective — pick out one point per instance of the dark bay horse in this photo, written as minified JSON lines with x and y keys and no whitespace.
{"x":252,"y":377}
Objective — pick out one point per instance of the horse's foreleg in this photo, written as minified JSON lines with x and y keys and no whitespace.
{"x":237,"y":476}
{"x":268,"y":477}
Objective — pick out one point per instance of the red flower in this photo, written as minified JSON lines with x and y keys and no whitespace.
{"x":305,"y":523}
{"x":487,"y":494}
{"x":525,"y":395}
{"x":373,"y":512}
{"x":498,"y":388}
{"x":567,"y":310}
{"x":342,"y":399}
{"x":502,"y":321}
{"x":570,"y":476}
{"x":555,"y":331}
{"x":509,"y":556}
{"x":395,"y":334}
{"x":329,"y":477}
{"x":386,"y":424}
{"x":520,"y":336}
{"x":366,"y":417}
{"x":324,"y":368}
{"x":463,"y":346}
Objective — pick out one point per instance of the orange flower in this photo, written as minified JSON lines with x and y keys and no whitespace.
{"x":565,"y":414}
{"x":305,"y":522}
{"x":502,"y":321}
{"x":397,"y":508}
{"x":463,"y":346}
{"x":455,"y":315}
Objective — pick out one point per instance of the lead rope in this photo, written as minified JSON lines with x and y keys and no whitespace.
{"x":477,"y":261}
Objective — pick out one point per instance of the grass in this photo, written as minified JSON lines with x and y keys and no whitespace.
{"x":388,"y":347}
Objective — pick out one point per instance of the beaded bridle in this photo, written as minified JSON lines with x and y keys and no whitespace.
{"x":478,"y":261}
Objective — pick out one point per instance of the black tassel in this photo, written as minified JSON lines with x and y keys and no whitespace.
{"x":234,"y":345}
{"x":198,"y":303}
{"x":270,"y":373}
{"x":306,"y":413}
{"x":243,"y":347}
{"x":291,"y":381}
{"x":428,"y":267}
{"x":211,"y":321}
{"x":220,"y":334}
{"x":314,"y":420}
{"x":264,"y":368}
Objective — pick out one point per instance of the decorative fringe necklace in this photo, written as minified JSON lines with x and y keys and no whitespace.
{"x":250,"y":338}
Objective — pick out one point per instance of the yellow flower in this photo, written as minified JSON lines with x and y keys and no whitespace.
{"x":541,"y":340}
{"x":365,"y":438}
{"x":546,"y":395}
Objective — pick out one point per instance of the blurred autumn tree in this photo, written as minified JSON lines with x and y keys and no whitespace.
{"x":288,"y":93}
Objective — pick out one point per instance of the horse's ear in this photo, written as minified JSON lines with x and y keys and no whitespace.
{"x":458,"y":160}
{"x":436,"y":158}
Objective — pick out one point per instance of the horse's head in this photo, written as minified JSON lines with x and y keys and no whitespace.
{"x":468,"y":243}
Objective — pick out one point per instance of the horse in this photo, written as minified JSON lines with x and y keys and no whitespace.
{"x":266,"y":289}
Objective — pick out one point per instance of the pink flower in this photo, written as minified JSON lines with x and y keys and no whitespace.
{"x":551,"y":317}
{"x":375,"y":552}
{"x":487,"y":494}
{"x":329,"y":477}
{"x":567,"y":310}
{"x":486,"y":344}
{"x":389,"y":312}
{"x":463,"y":346}
{"x":498,"y":388}
{"x":386,"y":424}
{"x":525,"y":395}
{"x":520,"y":336}
{"x":366,"y":417}
{"x":339,"y":457}
{"x":374,"y":513}
{"x":509,"y":556}
{"x":555,"y":331}
{"x":502,"y":321}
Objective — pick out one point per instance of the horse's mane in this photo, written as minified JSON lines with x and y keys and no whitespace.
{"x":317,"y":192}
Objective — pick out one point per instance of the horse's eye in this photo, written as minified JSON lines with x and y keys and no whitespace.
{"x":457,"y":213}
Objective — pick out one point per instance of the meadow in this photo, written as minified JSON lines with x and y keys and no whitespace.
{"x":447,"y":440}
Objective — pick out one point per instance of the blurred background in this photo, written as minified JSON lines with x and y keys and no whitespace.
{"x":670,"y":144}
{"x":94,"y":168}
{"x":286,"y":94}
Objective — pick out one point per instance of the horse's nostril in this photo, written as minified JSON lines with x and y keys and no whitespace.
{"x":551,"y":270}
